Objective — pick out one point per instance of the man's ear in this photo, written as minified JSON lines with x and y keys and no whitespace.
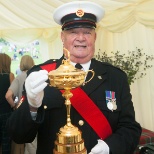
{"x":95,"y":36}
{"x":62,"y":36}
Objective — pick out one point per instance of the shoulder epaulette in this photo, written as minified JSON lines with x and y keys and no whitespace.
{"x":37,"y":67}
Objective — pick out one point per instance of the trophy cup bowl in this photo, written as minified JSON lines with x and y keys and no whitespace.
{"x":66,"y":77}
{"x":69,"y":138}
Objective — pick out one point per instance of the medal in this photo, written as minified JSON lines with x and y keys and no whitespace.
{"x":111,"y":100}
{"x":114,"y":104}
{"x":110,"y":105}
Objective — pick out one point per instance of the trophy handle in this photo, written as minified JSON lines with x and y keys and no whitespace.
{"x":93,"y":73}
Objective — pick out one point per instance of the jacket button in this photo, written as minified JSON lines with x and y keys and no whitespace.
{"x":81,"y":122}
{"x":45,"y":107}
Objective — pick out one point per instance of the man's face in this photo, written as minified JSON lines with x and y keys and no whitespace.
{"x":80,"y":42}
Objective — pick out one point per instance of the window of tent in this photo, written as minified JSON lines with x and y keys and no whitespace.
{"x":17,"y":51}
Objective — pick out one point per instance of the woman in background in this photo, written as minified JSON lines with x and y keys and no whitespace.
{"x":15,"y":91}
{"x":6,"y":77}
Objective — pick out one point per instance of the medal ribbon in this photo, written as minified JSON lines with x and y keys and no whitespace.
{"x":113,"y":95}
{"x":110,"y":95}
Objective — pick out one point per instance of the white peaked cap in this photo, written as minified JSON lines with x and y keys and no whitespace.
{"x":78,"y":14}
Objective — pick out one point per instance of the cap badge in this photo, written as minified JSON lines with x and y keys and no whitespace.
{"x":80,"y":13}
{"x":111,"y":100}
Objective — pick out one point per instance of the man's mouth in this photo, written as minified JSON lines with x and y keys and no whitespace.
{"x":78,"y":46}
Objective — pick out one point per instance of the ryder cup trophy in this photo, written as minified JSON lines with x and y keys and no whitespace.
{"x":66,"y":76}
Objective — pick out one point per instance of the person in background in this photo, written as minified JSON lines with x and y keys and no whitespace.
{"x":110,"y":127}
{"x":15,"y":91}
{"x":1,"y":47}
{"x":18,"y":71}
{"x":6,"y":77}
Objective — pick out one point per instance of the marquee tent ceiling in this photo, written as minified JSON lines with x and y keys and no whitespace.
{"x":120,"y":15}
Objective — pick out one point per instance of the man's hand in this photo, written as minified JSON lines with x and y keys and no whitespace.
{"x":100,"y":148}
{"x":35,"y":84}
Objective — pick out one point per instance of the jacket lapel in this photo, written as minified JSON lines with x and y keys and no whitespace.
{"x":59,"y":62}
{"x":99,"y":77}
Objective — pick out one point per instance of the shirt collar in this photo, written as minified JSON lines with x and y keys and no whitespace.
{"x":85,"y":66}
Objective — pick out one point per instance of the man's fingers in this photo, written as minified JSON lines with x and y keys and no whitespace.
{"x":39,"y":88}
{"x":96,"y":149}
{"x":38,"y":81}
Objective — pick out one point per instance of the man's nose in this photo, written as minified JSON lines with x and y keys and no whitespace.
{"x":81,"y":37}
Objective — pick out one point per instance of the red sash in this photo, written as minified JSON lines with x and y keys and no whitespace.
{"x":87,"y":109}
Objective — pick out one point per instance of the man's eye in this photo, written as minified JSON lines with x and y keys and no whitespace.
{"x":87,"y":32}
{"x":73,"y":32}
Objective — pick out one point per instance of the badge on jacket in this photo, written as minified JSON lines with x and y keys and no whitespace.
{"x":111,"y":100}
{"x":21,"y":100}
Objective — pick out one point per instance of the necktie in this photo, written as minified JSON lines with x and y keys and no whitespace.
{"x":78,"y":66}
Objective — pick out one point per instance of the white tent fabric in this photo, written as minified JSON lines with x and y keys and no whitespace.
{"x":127,"y":24}
{"x":120,"y":15}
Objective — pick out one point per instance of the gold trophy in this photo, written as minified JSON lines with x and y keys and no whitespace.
{"x":69,"y":139}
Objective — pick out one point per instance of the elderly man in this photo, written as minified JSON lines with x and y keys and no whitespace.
{"x":110,"y":125}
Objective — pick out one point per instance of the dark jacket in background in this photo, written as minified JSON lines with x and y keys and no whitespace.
{"x":5,"y":112}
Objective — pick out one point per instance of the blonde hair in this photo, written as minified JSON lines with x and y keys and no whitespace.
{"x":26,"y":63}
{"x":5,"y":63}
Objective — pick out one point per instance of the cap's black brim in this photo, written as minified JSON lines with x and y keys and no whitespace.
{"x":78,"y":25}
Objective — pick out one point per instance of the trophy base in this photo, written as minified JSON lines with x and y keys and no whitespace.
{"x":69,"y":141}
{"x":84,"y":151}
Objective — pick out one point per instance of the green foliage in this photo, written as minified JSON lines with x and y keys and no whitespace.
{"x":135,"y":63}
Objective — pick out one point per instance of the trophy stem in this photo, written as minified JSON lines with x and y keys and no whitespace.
{"x":69,"y":139}
{"x":67,"y":94}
